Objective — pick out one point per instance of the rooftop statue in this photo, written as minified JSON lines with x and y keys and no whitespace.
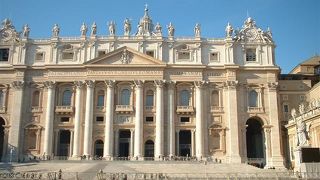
{"x":229,"y":30}
{"x":83,"y":29}
{"x":140,"y":30}
{"x":112,"y":28}
{"x":94,"y":29}
{"x":170,"y":30}
{"x":158,"y":30}
{"x":55,"y":30}
{"x":197,"y":30}
{"x":127,"y":27}
{"x":26,"y":31}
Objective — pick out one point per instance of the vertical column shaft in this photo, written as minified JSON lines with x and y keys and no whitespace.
{"x":171,"y":123}
{"x":77,"y":120}
{"x":138,"y":136}
{"x":199,"y":120}
{"x":159,"y":120}
{"x":48,"y":133}
{"x":87,"y":145}
{"x":108,"y":138}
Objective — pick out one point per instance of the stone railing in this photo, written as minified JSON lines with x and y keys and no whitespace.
{"x":149,"y":109}
{"x":185,"y":109}
{"x":64,"y":109}
{"x":255,"y":109}
{"x":216,"y":109}
{"x":100,"y":108}
{"x":307,"y":114}
{"x":124,"y":108}
{"x":36,"y":109}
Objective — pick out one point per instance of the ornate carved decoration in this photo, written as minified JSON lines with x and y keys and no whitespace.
{"x":125,"y":57}
{"x":272,"y":85}
{"x":17,"y":84}
{"x":231,"y":84}
{"x":49,"y":84}
{"x":171,"y":84}
{"x":159,"y":83}
{"x":90,"y":83}
{"x":200,"y":84}
{"x":8,"y":32}
{"x":138,"y":83}
{"x":78,"y":84}
{"x":110,"y":83}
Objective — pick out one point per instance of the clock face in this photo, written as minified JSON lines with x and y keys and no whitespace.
{"x":251,"y":34}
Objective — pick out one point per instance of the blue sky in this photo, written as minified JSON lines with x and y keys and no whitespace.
{"x":295,"y":24}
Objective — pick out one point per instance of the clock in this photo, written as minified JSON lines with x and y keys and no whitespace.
{"x":251,"y":34}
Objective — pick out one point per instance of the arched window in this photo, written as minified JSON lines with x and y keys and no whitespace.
{"x":125,"y":97}
{"x":149,"y":98}
{"x":66,"y":98}
{"x":35,"y":98}
{"x":100,"y":98}
{"x":215,"y":98}
{"x":253,"y":98}
{"x":1,"y":99}
{"x":184,"y":98}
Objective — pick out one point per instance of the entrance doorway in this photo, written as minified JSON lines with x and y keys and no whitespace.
{"x":185,"y":143}
{"x":255,"y":141}
{"x":64,"y":143}
{"x":124,"y":143}
{"x":98,"y":148}
{"x":149,"y":148}
{"x":2,"y":123}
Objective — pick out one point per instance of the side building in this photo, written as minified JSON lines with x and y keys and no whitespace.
{"x":140,"y":95}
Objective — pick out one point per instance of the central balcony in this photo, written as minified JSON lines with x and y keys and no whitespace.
{"x":125,"y":109}
{"x":64,"y":109}
{"x":216,"y":109}
{"x":255,"y":109}
{"x":149,"y":109}
{"x":185,"y":110}
{"x":36,"y":109}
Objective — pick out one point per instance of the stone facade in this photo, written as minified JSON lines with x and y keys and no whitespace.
{"x":141,"y":95}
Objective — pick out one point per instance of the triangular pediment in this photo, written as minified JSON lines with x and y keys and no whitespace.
{"x":125,"y":56}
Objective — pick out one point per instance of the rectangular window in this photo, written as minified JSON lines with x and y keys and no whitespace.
{"x":67,"y":55}
{"x":184,"y":55}
{"x":150,"y":53}
{"x":184,"y":119}
{"x":64,"y":119}
{"x":39,"y":56}
{"x":4,"y":54}
{"x":213,"y":57}
{"x":99,"y":118}
{"x":251,"y":55}
{"x":286,"y":108}
{"x":100,"y":101}
{"x":149,"y":119}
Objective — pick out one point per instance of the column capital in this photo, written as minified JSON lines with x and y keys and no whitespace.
{"x":110,"y":83}
{"x":159,"y":83}
{"x":132,"y":130}
{"x":171,"y":84}
{"x":89,"y":83}
{"x":267,"y":128}
{"x":17,"y":84}
{"x":231,"y":84}
{"x":138,"y":83}
{"x":272,"y":85}
{"x":49,"y":84}
{"x":200,"y":84}
{"x":78,"y":84}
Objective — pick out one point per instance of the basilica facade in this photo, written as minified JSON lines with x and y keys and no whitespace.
{"x":144,"y":94}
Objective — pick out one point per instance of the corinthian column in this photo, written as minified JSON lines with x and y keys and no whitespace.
{"x":233,"y":122}
{"x":88,"y":119}
{"x":108,"y":130}
{"x":77,"y":124}
{"x":199,"y":120}
{"x":171,"y":125}
{"x":138,"y":135}
{"x":159,"y":120}
{"x":48,"y":133}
